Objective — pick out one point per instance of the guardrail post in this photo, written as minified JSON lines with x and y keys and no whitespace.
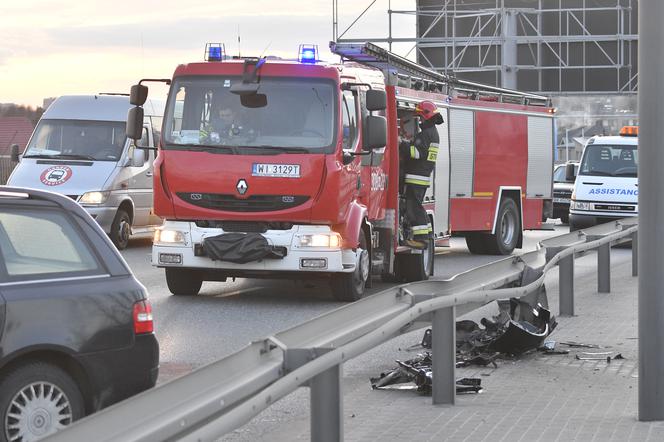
{"x":635,"y":254}
{"x":443,"y":348}
{"x":566,"y":286}
{"x":604,"y":268}
{"x":326,"y":404}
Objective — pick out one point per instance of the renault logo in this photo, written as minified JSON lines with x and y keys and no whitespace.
{"x":242,"y":187}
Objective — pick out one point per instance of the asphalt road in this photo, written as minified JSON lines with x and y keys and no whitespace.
{"x":194,"y":331}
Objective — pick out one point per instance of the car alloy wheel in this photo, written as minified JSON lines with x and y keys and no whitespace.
{"x":39,"y":409}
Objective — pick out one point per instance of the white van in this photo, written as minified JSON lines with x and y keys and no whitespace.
{"x":606,"y":187}
{"x":79,"y":149}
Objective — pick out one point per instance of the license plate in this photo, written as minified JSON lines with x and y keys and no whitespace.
{"x":561,"y":200}
{"x":276,"y":170}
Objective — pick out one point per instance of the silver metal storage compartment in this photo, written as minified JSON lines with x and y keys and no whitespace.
{"x":540,"y":157}
{"x":462,"y":152}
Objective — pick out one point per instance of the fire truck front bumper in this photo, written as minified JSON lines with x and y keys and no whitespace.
{"x":302,"y":248}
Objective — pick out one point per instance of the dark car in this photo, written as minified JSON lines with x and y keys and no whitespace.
{"x":76,"y":328}
{"x":562,"y":191}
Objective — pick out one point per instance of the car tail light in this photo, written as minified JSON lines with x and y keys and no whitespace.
{"x":143,"y":322}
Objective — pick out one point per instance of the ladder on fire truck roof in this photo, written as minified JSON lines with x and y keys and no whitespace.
{"x":415,"y":76}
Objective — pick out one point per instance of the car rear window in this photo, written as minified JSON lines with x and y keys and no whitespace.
{"x":43,"y":243}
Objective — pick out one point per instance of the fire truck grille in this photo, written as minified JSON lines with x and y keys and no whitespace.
{"x":245,"y":226}
{"x":254,"y":203}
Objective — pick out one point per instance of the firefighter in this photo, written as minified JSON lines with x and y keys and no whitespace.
{"x":420,"y":159}
{"x":224,"y":123}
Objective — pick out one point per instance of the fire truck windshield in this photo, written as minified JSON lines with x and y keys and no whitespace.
{"x":300,"y":115}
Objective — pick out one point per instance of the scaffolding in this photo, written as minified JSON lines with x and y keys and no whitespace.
{"x":547,"y":47}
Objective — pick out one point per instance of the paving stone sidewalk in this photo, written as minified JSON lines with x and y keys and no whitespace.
{"x":538,"y":397}
{"x":535,"y":398}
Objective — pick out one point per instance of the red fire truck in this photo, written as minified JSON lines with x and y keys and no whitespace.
{"x":275,"y":168}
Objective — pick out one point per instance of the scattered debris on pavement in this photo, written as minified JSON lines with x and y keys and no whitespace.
{"x":599,"y":356}
{"x":549,"y":348}
{"x":579,"y":345}
{"x":418,"y":370}
{"x":520,"y":326}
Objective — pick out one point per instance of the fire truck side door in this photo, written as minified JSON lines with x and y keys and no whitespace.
{"x":374,"y":178}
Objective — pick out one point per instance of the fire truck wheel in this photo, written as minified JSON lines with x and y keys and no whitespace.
{"x":508,"y":229}
{"x":416,"y":266}
{"x":183,"y":282}
{"x":349,"y":287}
{"x":121,"y":229}
{"x":476,"y":243}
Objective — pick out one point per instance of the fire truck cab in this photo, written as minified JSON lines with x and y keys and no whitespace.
{"x":278,"y":168}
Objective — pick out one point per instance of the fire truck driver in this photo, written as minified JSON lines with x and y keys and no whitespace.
{"x":420,"y":155}
{"x":224,"y":123}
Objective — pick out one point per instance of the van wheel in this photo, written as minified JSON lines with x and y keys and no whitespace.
{"x":508,"y":229}
{"x":349,"y":287}
{"x":121,"y":229}
{"x":183,"y":282}
{"x":416,"y":266}
{"x":36,"y":400}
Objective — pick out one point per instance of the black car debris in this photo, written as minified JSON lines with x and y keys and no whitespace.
{"x":520,"y":326}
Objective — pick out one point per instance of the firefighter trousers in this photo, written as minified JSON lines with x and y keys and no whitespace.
{"x":415,"y":213}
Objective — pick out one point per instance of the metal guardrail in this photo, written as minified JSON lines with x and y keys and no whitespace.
{"x":226,"y":394}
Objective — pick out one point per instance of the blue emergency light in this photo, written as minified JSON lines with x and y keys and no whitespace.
{"x":214,"y":52}
{"x":308,"y":54}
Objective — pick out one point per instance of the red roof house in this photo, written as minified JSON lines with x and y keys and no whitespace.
{"x":14,"y":130}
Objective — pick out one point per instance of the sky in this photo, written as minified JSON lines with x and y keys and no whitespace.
{"x":56,"y":47}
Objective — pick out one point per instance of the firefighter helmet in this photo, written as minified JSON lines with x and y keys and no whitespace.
{"x":426,"y":110}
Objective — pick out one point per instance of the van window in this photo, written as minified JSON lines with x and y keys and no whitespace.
{"x":78,"y":139}
{"x":156,"y":129}
{"x":43,"y":243}
{"x":145,"y":139}
{"x":609,"y":160}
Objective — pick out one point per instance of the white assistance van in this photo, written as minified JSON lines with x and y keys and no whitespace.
{"x":79,"y":149}
{"x":606,"y":187}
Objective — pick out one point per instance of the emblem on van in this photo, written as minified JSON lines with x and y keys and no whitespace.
{"x":196,"y":196}
{"x":56,"y":175}
{"x":242,"y":187}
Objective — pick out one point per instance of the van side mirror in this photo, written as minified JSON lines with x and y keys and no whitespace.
{"x":135,"y":123}
{"x":138,"y":95}
{"x":570,"y":172}
{"x":376,"y":100}
{"x":14,"y":153}
{"x":375,"y":133}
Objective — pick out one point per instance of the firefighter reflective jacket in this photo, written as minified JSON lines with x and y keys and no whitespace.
{"x":421,"y":155}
